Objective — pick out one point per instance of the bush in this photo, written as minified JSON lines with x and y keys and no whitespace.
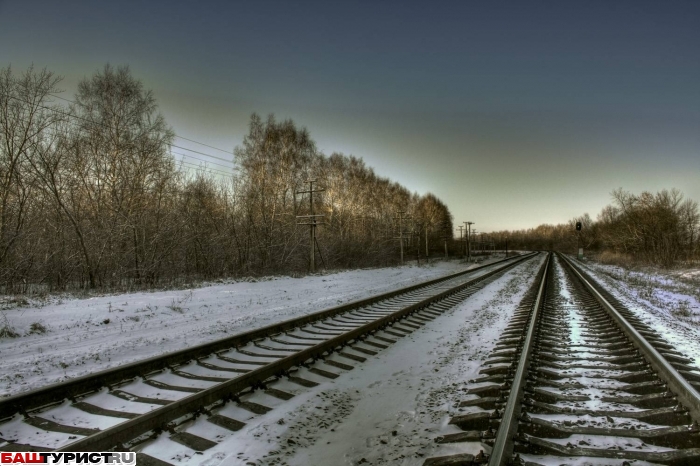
{"x":6,"y":330}
{"x":37,"y":327}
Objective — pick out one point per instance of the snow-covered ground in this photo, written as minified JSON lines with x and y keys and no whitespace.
{"x":387,"y":410}
{"x":65,"y":338}
{"x":667,"y":301}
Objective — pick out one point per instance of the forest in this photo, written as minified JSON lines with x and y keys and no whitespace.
{"x":91,"y":196}
{"x":656,"y":229}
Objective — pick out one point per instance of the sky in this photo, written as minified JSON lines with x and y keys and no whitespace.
{"x":513,"y":113}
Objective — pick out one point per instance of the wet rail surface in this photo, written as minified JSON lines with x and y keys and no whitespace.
{"x":226,"y":382}
{"x":577,"y":379}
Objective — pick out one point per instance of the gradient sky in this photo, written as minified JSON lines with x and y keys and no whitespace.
{"x":513,"y":113}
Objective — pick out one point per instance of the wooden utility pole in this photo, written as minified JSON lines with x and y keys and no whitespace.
{"x":311,"y":222}
{"x":400,"y":237}
{"x":426,"y":240}
{"x":469,"y":250}
{"x":416,"y":232}
{"x":461,"y":228}
{"x":445,"y":237}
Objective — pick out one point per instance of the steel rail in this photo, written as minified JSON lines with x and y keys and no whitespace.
{"x":79,"y":386}
{"x":686,"y":393}
{"x":503,"y":445}
{"x":160,"y":417}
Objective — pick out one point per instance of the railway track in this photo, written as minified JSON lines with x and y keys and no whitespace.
{"x":224,"y":382}
{"x":577,"y":379}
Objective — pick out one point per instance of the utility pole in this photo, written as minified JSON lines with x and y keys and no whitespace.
{"x":445,"y":236}
{"x":400,"y":237}
{"x":473,"y":243}
{"x":469,"y":250}
{"x":426,"y":241}
{"x":461,"y":228}
{"x":417,"y":233}
{"x":312,"y":223}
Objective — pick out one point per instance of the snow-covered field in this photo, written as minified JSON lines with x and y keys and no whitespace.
{"x":667,"y":301}
{"x":65,"y":338}
{"x":387,"y":410}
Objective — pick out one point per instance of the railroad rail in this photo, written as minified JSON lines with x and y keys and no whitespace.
{"x":578,"y":379}
{"x":122,"y":407}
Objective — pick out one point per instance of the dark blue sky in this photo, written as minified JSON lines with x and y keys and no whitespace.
{"x":514,"y":113}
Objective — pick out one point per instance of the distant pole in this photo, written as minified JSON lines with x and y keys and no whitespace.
{"x":473,"y":244}
{"x":426,"y":241}
{"x":469,"y":250}
{"x":313,"y":229}
{"x":400,"y":237}
{"x":461,"y":249}
{"x":312,"y":223}
{"x":445,"y":240}
{"x":418,"y":246}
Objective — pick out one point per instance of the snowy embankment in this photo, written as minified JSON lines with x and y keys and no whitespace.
{"x":667,"y":301}
{"x":75,"y":337}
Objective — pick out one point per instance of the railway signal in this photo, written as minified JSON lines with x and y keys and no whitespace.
{"x":578,"y":240}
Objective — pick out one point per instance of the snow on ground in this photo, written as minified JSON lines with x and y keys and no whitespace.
{"x":668,"y":302}
{"x":387,"y":410}
{"x":76,"y":337}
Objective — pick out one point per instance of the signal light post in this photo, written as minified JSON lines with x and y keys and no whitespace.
{"x":578,"y":240}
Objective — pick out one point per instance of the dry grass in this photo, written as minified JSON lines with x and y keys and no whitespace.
{"x":6,"y":329}
{"x":616,"y":258}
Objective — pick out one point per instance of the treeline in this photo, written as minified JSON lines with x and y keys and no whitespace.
{"x":91,"y":196}
{"x":660,"y":229}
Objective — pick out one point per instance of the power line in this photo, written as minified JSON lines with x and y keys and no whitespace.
{"x":204,"y":169}
{"x":105,"y":126}
{"x":179,"y":137}
{"x":194,"y":165}
{"x":201,"y":160}
{"x":207,"y":145}
{"x":189,"y":163}
{"x":201,"y":167}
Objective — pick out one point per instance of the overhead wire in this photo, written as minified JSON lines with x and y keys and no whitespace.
{"x":193,"y":165}
{"x":201,"y":160}
{"x":177,"y":136}
{"x":100,"y":124}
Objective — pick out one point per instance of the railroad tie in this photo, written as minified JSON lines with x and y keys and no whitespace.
{"x":192,"y":441}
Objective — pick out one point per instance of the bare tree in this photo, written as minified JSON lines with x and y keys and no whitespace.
{"x":24,"y":121}
{"x":90,"y":195}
